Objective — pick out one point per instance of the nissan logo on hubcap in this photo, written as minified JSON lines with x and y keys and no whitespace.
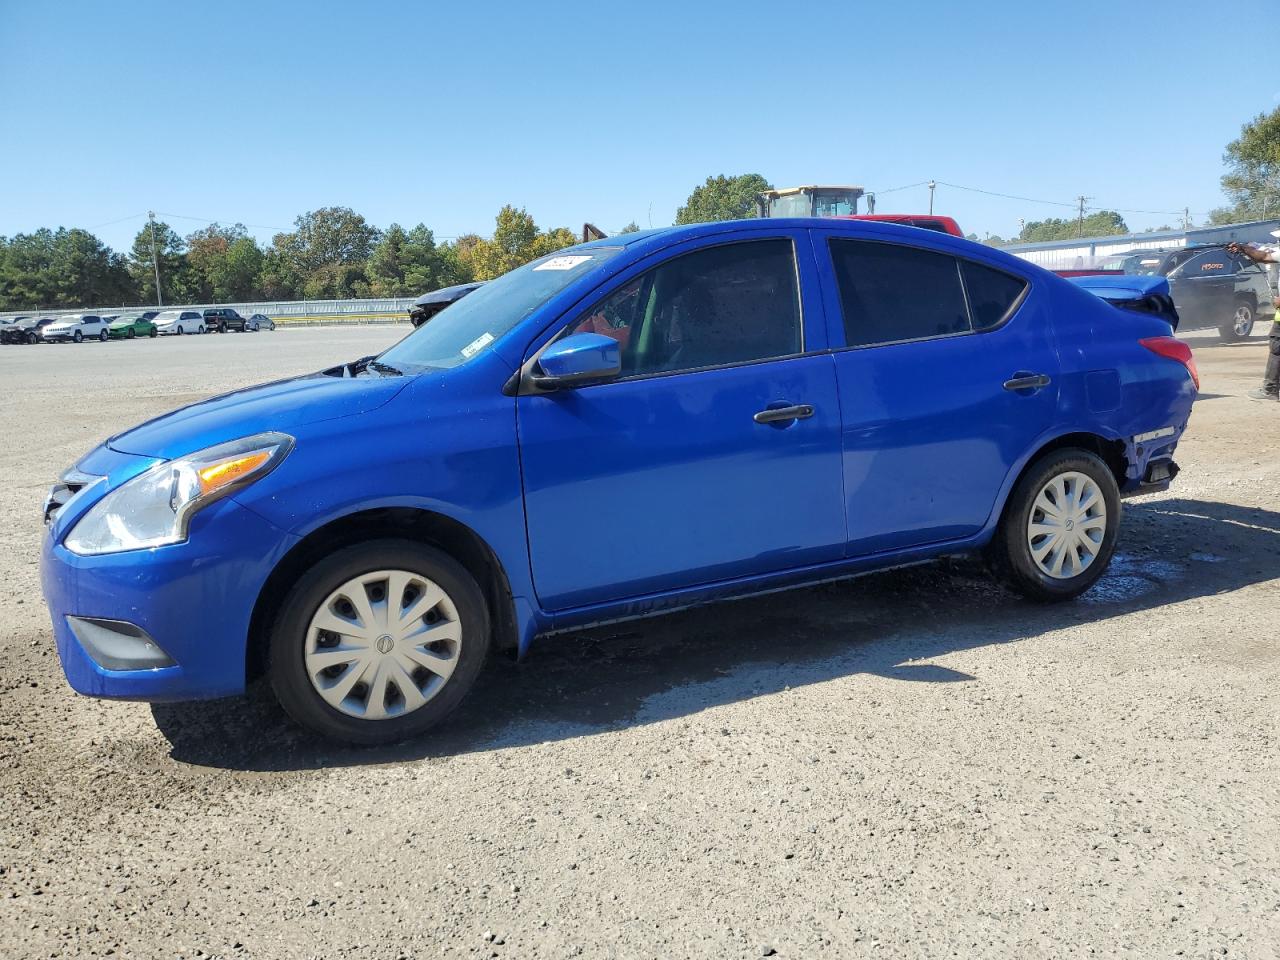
{"x":384,"y":643}
{"x":1071,"y":525}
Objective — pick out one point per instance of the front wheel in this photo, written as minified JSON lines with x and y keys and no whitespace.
{"x":378,"y":642}
{"x":130,"y":334}
{"x":180,"y":330}
{"x":200,"y":329}
{"x":1059,"y":527}
{"x":1240,"y":324}
{"x":78,"y":337}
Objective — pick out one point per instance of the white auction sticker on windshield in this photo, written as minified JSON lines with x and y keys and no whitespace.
{"x":476,"y":345}
{"x":563,"y":263}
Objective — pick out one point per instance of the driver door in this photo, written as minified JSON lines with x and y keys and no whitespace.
{"x":680,"y":471}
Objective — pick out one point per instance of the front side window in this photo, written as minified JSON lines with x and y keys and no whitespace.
{"x":734,"y":303}
{"x":1214,"y":264}
{"x":890,"y":292}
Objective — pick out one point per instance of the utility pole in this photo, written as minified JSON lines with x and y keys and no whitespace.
{"x":1186,"y":218}
{"x":932,"y":185}
{"x":155,"y":259}
{"x":1080,"y":221}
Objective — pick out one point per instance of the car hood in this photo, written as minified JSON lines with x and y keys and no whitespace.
{"x":284,"y":405}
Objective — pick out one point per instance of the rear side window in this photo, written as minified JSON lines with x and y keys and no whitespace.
{"x":890,"y":292}
{"x":992,"y":293}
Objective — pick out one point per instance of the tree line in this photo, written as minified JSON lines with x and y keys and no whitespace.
{"x":332,"y":253}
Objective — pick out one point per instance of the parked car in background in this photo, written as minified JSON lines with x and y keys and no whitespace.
{"x":1209,"y":286}
{"x":83,"y":326}
{"x":149,"y":314}
{"x":129,"y":327}
{"x":178,"y":322}
{"x":429,"y":304}
{"x":260,"y":321}
{"x":766,"y":403}
{"x":222,"y":319}
{"x":23,"y":329}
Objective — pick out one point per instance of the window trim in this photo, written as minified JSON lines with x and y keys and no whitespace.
{"x":964,"y":288}
{"x":526,"y":388}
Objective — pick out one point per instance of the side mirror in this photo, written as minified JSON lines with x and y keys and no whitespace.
{"x":576,"y":360}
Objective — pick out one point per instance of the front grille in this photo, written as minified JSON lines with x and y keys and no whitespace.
{"x":61,"y":493}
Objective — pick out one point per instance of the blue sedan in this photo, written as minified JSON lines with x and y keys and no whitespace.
{"x":626,"y":426}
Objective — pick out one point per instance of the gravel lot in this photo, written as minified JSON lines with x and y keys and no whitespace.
{"x":912,"y":764}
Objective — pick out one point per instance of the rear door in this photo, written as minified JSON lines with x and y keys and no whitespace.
{"x":681,"y":472}
{"x":1204,"y":286}
{"x":947,"y":371}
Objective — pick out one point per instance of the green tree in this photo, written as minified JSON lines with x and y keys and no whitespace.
{"x":516,"y":240}
{"x":1252,"y":180}
{"x":324,"y":256}
{"x":631,"y":227}
{"x":224,"y":263}
{"x":1104,"y":223}
{"x":170,"y":253}
{"x":408,"y":263}
{"x":723,"y":198}
{"x":61,"y":268}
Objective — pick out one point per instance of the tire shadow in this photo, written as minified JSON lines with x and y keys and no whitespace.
{"x":647,"y":671}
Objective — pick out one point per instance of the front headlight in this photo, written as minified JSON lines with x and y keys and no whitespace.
{"x":155,"y":508}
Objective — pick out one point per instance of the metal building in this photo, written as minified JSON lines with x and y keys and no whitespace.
{"x":1085,"y":252}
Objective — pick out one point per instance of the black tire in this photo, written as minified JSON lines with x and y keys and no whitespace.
{"x":78,"y":337}
{"x":130,"y":333}
{"x":104,"y":336}
{"x":287,"y":669}
{"x":1009,"y":553}
{"x":180,"y":330}
{"x":154,"y":333}
{"x":1243,"y":314}
{"x":32,"y":338}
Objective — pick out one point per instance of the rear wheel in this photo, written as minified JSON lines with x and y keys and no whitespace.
{"x":130,"y":333}
{"x":200,"y":329}
{"x":32,"y":338}
{"x":153,"y":332}
{"x":103,"y":336}
{"x":378,"y":642}
{"x":1058,"y":531}
{"x":180,"y":330}
{"x":1240,"y":324}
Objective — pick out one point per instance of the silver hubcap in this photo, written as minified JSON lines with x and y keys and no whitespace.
{"x":383,"y":644}
{"x":1244,"y":319}
{"x":1067,"y":526}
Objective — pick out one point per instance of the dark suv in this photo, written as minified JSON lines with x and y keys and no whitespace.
{"x":222,"y":319}
{"x":1210,"y":286}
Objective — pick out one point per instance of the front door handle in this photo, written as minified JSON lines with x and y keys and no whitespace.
{"x":797,"y":411}
{"x":1027,"y":381}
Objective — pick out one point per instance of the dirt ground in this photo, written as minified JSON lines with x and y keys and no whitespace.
{"x":915,"y":764}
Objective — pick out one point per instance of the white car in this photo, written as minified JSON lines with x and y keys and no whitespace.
{"x":178,"y":322}
{"x":82,"y":326}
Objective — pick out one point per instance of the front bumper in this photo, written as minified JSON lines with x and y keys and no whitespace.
{"x":194,"y":599}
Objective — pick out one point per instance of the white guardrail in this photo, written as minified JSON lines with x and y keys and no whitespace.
{"x":384,"y":310}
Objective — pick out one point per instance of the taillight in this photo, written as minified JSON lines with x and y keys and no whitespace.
{"x":1174,"y":349}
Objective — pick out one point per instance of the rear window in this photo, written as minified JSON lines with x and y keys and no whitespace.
{"x":890,"y":292}
{"x":992,"y":293}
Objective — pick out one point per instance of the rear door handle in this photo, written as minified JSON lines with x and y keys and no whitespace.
{"x":797,"y":411}
{"x":1027,"y":381}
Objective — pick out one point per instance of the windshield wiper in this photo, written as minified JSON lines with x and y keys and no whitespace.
{"x":385,"y":368}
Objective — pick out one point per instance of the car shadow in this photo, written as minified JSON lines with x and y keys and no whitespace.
{"x":888,"y":625}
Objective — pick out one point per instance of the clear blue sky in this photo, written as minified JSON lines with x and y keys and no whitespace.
{"x":442,"y":112}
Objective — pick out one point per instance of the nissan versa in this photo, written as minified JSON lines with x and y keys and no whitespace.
{"x":630,"y":425}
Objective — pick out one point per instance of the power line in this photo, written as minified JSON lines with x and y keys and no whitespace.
{"x":132,"y":216}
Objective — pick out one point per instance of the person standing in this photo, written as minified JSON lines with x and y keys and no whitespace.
{"x":1266,"y":253}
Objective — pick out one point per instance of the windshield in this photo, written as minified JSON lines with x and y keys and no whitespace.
{"x":466,"y":327}
{"x":166,"y":316}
